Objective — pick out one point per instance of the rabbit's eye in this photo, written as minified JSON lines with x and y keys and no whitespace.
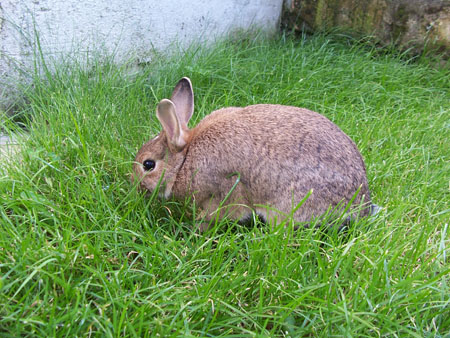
{"x":149,"y":165}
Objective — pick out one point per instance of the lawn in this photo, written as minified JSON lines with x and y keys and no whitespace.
{"x":82,"y":253}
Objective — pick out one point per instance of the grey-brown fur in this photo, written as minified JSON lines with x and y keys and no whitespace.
{"x":280,"y":153}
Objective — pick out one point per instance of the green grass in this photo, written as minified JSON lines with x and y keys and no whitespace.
{"x":83,"y":254}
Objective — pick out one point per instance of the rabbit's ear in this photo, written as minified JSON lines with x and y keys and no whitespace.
{"x":171,"y":124}
{"x":183,"y":98}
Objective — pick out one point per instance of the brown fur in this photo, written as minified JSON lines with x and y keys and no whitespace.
{"x":279,"y":152}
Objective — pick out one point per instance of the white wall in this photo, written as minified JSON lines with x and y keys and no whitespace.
{"x":124,"y":27}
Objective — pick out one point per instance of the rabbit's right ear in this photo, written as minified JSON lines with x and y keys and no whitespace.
{"x":183,"y":98}
{"x":171,"y":124}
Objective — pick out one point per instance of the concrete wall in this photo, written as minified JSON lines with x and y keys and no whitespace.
{"x":123,"y":27}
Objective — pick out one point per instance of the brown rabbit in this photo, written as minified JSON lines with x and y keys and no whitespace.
{"x":264,"y":158}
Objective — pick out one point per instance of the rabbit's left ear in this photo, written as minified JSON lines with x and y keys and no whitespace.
{"x":183,"y":98}
{"x":171,"y":124}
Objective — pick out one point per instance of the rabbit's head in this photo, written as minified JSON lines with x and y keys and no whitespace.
{"x":159,"y":160}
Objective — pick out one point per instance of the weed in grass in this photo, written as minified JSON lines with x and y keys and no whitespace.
{"x":82,"y":253}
